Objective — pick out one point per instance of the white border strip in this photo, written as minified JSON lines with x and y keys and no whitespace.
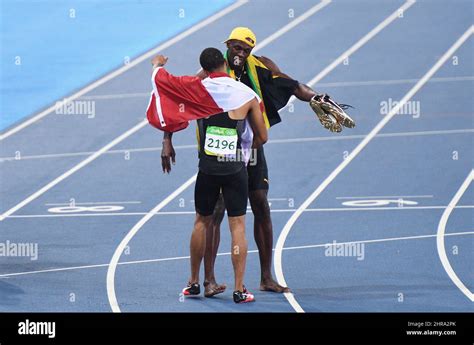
{"x":441,"y":233}
{"x":181,"y":213}
{"x":157,"y":97}
{"x":113,"y":264}
{"x":288,"y":226}
{"x":292,"y":24}
{"x":371,"y":34}
{"x":121,"y":247}
{"x":272,"y":141}
{"x":126,"y":67}
{"x":97,"y":83}
{"x":175,"y":258}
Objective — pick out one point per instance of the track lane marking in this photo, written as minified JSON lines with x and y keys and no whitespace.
{"x":441,"y":233}
{"x":175,"y":213}
{"x":174,"y":258}
{"x":288,"y":226}
{"x":108,"y":77}
{"x":113,"y":263}
{"x":271,"y":141}
{"x":126,"y":67}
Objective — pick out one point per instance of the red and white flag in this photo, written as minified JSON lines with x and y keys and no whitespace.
{"x":175,"y":100}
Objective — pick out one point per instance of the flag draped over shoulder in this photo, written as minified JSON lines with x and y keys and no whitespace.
{"x":175,"y":101}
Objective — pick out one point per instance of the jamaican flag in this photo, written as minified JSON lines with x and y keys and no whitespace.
{"x":275,"y":91}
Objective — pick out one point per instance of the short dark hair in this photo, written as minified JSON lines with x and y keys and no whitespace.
{"x":211,"y":59}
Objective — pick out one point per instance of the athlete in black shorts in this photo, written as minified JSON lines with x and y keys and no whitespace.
{"x":276,"y":88}
{"x":223,"y":146}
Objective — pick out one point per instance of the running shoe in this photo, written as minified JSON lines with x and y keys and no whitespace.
{"x":243,"y":296}
{"x":192,"y":289}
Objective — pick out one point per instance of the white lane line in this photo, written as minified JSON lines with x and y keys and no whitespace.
{"x":356,"y":46}
{"x":392,"y":82}
{"x":87,"y":153}
{"x":292,"y":24}
{"x":142,"y":124}
{"x":113,"y":264}
{"x":322,"y":85}
{"x":361,"y":42}
{"x":390,"y":239}
{"x":99,"y":82}
{"x":118,"y":252}
{"x":178,"y":213}
{"x":135,"y":262}
{"x":93,"y":203}
{"x":271,"y":141}
{"x":116,"y":96}
{"x":288,"y":226}
{"x":72,"y":170}
{"x":441,"y":233}
{"x":384,"y":196}
{"x":128,"y":66}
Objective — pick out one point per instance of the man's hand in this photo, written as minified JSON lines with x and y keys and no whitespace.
{"x":167,"y":155}
{"x":159,"y":61}
{"x":331,"y":114}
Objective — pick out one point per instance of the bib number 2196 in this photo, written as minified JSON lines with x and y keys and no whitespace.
{"x":220,"y":141}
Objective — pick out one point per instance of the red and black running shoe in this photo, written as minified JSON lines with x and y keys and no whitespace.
{"x":243,"y":296}
{"x":192,"y":289}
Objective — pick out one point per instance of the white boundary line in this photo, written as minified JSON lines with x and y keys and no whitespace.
{"x":288,"y":226}
{"x":371,"y":34}
{"x":72,"y":170}
{"x":143,"y":123}
{"x":118,"y":252}
{"x":271,"y":141}
{"x":292,"y":24}
{"x":441,"y":233}
{"x":321,"y":85}
{"x":93,"y":203}
{"x":383,"y":196}
{"x":380,"y":240}
{"x":394,"y":82}
{"x":126,"y":67}
{"x":178,"y":213}
{"x":97,"y":83}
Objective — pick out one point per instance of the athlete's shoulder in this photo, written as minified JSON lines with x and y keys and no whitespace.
{"x":272,"y":66}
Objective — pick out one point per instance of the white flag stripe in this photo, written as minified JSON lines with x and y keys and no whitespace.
{"x":228,"y":93}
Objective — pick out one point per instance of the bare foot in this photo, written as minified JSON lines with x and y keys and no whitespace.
{"x":271,"y":285}
{"x":212,"y":288}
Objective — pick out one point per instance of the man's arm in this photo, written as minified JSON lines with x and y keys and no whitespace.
{"x":167,"y":151}
{"x":168,"y":155}
{"x":303,"y":92}
{"x":260,"y":133}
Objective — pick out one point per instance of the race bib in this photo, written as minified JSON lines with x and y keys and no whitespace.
{"x":220,"y":141}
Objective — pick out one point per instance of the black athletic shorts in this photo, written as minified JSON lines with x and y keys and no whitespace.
{"x":234,"y":188}
{"x":258,"y":171}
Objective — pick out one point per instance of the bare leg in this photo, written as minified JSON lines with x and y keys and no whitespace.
{"x":198,"y":245}
{"x":213,"y":233}
{"x":238,"y":250}
{"x":263,"y":232}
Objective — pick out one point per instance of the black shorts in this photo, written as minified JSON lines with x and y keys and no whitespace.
{"x":258,"y":171}
{"x":234,"y":188}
